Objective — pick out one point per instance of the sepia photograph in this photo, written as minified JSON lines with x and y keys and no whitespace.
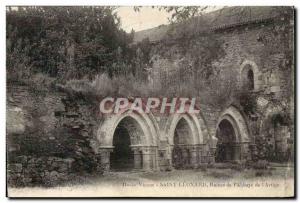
{"x":150,"y":101}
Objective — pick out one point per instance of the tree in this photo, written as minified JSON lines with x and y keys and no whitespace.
{"x":51,"y":33}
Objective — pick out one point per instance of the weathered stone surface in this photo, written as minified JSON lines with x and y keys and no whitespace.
{"x":15,"y":121}
{"x":14,"y":168}
{"x":59,"y":134}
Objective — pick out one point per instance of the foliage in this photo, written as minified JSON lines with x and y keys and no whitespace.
{"x":248,"y":102}
{"x":64,"y":41}
{"x":180,"y":13}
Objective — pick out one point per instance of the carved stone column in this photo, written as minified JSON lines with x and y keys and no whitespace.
{"x":170,"y":157}
{"x":137,"y":156}
{"x":104,"y":153}
{"x":200,"y":153}
{"x":194,"y":156}
{"x":229,"y":150}
{"x":154,"y":157}
{"x":236,"y":151}
{"x":146,"y":158}
{"x":185,"y":156}
{"x":213,"y":149}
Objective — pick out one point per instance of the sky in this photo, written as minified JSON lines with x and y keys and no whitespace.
{"x":146,"y":18}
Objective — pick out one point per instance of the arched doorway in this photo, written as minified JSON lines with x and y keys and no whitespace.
{"x":233,"y":137}
{"x":182,"y":140}
{"x":122,"y":157}
{"x":226,"y":145}
{"x":248,"y":78}
{"x":128,"y":130}
{"x":128,"y":133}
{"x":275,"y":141}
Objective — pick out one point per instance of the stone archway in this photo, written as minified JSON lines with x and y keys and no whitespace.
{"x":128,"y":133}
{"x":250,"y":76}
{"x":182,"y":140}
{"x":142,"y":140}
{"x":275,"y":139}
{"x":185,"y":137}
{"x":228,"y":145}
{"x":233,"y":136}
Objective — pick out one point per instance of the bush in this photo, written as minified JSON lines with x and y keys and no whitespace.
{"x":103,"y":85}
{"x":248,"y":102}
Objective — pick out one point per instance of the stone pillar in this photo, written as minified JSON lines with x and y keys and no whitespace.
{"x":154,"y":157}
{"x":213,"y":149}
{"x":204,"y":153}
{"x":212,"y":155}
{"x":194,"y":160}
{"x":170,"y":157}
{"x":236,"y":151}
{"x":137,"y":156}
{"x":200,"y":154}
{"x":185,"y":159}
{"x":104,"y":153}
{"x":146,"y":158}
{"x":245,"y":151}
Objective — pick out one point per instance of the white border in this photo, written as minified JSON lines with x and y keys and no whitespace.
{"x":3,"y":3}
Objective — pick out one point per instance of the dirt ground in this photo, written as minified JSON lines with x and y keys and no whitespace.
{"x":276,"y":181}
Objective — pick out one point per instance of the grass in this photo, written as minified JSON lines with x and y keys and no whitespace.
{"x":193,"y":175}
{"x":208,"y":183}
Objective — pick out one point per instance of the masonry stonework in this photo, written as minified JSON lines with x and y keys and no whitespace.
{"x":68,"y":132}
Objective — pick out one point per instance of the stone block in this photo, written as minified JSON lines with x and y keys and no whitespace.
{"x":13,"y":147}
{"x":15,"y":120}
{"x":21,"y":159}
{"x":54,"y":176}
{"x":69,"y":162}
{"x":275,"y":89}
{"x":15,"y":168}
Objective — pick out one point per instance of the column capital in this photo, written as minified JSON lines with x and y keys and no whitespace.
{"x":147,"y":149}
{"x":135,"y":147}
{"x":194,"y":148}
{"x":102,"y":149}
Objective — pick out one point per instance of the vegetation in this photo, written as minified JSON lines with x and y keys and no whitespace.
{"x":85,"y":49}
{"x":65,"y":42}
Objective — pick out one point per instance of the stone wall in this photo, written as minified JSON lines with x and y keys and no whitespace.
{"x":264,"y":46}
{"x":49,"y":136}
{"x":52,"y":134}
{"x":39,"y":171}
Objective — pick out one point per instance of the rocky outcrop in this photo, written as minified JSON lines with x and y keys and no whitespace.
{"x":49,"y":136}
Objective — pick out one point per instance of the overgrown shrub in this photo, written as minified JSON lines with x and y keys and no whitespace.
{"x":248,"y":102}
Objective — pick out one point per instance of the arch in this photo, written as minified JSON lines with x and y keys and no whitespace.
{"x":144,"y":146}
{"x":234,"y":116}
{"x":270,"y":111}
{"x":227,"y":148}
{"x":182,"y":139}
{"x":233,"y":136}
{"x":146,"y":122}
{"x":192,"y":148}
{"x":127,"y":133}
{"x":249,"y":75}
{"x":275,"y":129}
{"x":183,"y":133}
{"x":193,"y":123}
